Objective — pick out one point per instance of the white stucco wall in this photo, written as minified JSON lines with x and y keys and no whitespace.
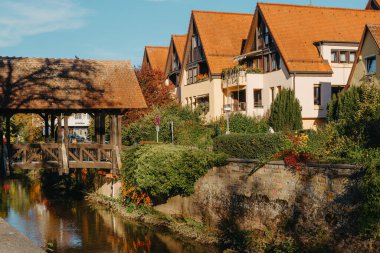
{"x":304,"y":87}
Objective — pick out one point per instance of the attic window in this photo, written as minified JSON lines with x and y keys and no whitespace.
{"x":342,"y":56}
{"x":371,"y":64}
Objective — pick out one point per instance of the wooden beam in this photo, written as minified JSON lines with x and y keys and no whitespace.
{"x":46,"y":121}
{"x":119,"y":131}
{"x":59,"y":128}
{"x":97,"y":128}
{"x":113,"y":133}
{"x":66,"y":130}
{"x":52,"y":127}
{"x":102,"y":127}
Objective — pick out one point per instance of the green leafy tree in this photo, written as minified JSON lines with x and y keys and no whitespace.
{"x":285,"y":112}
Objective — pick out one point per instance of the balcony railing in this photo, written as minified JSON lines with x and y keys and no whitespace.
{"x":235,"y":79}
{"x":238,"y":106}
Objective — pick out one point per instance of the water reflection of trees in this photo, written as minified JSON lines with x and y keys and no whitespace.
{"x":72,"y":226}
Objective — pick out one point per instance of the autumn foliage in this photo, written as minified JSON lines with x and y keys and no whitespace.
{"x":154,"y":91}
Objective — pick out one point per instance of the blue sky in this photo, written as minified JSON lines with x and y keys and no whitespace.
{"x":108,"y":29}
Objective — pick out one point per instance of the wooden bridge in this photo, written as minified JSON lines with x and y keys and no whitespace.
{"x":54,"y":89}
{"x":58,"y":156}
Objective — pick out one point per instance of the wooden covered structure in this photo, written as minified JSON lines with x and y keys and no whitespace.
{"x":55,"y":89}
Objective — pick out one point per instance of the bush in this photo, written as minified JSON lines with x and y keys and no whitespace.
{"x":356,"y":114}
{"x":369,"y":190}
{"x":251,"y":146}
{"x":188,"y":128}
{"x":164,"y":171}
{"x":285,"y":112}
{"x":240,"y":123}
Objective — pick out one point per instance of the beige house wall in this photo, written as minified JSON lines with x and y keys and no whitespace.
{"x":369,"y":48}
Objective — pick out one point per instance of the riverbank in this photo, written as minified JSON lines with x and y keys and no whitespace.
{"x":186,"y":229}
{"x":11,"y":240}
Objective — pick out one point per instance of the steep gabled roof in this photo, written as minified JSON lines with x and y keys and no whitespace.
{"x":179,"y":42}
{"x":156,"y":57}
{"x":374,"y":30}
{"x":296,"y":28}
{"x":373,"y":5}
{"x":68,"y":84}
{"x":221,"y":35}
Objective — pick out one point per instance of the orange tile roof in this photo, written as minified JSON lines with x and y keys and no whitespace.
{"x":179,"y":42}
{"x":66,"y":84}
{"x":295,"y":29}
{"x":157,"y":57}
{"x":375,"y":31}
{"x":221,"y":35}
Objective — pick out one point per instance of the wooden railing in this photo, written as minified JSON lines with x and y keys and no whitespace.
{"x":55,"y":155}
{"x":35,"y":155}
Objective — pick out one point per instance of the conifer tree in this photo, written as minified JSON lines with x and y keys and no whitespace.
{"x":285,"y":112}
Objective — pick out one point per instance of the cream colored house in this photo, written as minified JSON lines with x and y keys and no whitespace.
{"x":305,"y":48}
{"x":213,"y":39}
{"x":366,"y":65}
{"x":174,"y":62}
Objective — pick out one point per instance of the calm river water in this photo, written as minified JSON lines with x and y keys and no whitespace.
{"x":74,"y":226}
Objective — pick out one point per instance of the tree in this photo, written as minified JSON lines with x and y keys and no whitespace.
{"x":156,"y":94}
{"x":356,"y":113}
{"x":285,"y":112}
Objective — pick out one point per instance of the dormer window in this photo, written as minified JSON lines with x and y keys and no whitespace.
{"x":371,"y":64}
{"x":342,"y":56}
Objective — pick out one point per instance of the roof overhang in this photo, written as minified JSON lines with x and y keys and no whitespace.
{"x":336,"y":43}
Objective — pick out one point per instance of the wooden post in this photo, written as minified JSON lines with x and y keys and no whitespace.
{"x":119,"y":131}
{"x":66,"y":130}
{"x":59,"y":128}
{"x":2,"y":163}
{"x":113,"y":134}
{"x":102,"y":127}
{"x":8,"y":153}
{"x":46,"y":120}
{"x":52,"y":127}
{"x":65,"y":150}
{"x":97,"y":127}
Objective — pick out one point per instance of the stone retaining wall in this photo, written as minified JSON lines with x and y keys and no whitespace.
{"x":313,"y":203}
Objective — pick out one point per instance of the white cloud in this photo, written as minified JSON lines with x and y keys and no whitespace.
{"x":22,"y":18}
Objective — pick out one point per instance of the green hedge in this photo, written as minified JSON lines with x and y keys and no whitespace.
{"x":164,"y":171}
{"x":250,"y":146}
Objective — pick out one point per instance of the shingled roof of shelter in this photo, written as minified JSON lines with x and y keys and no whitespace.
{"x":68,"y":84}
{"x":157,"y":57}
{"x":295,"y":30}
{"x":222,"y":36}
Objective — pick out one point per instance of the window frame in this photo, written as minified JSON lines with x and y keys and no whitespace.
{"x":366,"y":64}
{"x":339,"y":52}
{"x":259,"y":102}
{"x":317,"y":87}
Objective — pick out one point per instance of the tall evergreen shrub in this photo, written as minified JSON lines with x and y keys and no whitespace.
{"x":285,"y":112}
{"x":356,"y":114}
